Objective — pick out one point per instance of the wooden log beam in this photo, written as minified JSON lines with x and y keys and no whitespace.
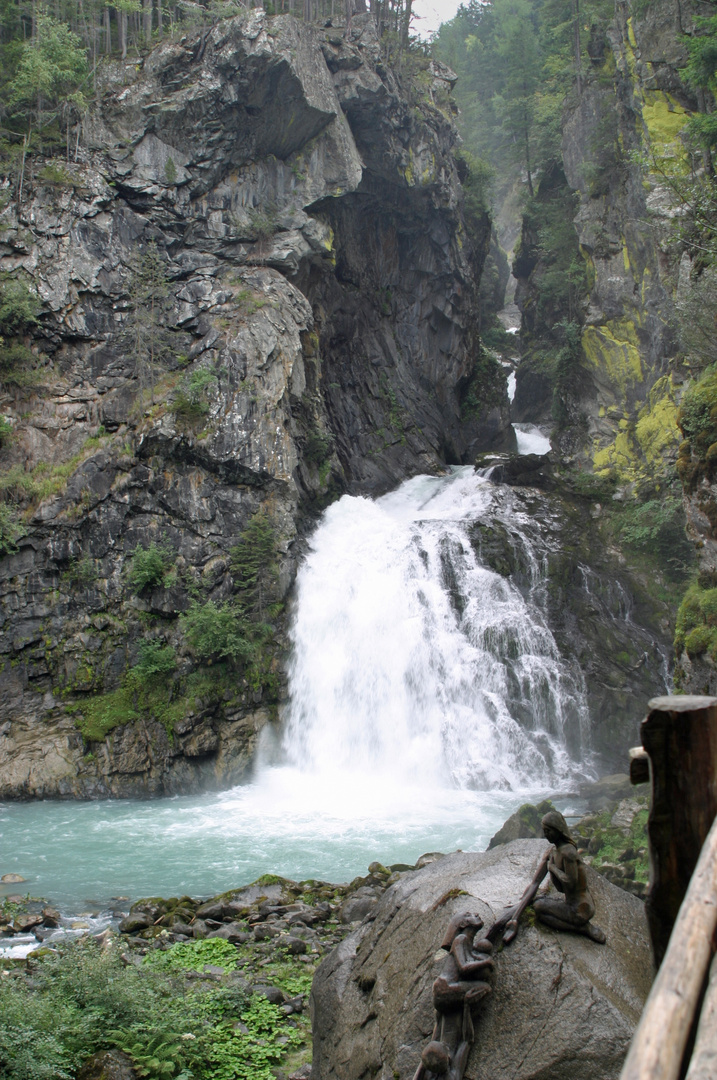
{"x":658,"y":1047}
{"x":639,"y":765}
{"x":680,"y":736}
{"x":703,"y":1063}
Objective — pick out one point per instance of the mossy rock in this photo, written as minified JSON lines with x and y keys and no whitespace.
{"x":524,"y":824}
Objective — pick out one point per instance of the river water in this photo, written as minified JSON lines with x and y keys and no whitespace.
{"x":427,"y":701}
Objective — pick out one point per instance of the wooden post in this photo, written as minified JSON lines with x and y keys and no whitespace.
{"x":680,"y":735}
{"x":657,"y":1051}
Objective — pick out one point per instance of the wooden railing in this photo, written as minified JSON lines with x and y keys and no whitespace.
{"x":677,"y":1034}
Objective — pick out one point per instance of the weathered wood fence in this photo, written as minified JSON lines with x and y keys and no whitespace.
{"x":677,"y":1034}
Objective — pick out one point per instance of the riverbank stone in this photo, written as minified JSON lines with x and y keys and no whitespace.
{"x":562,"y":1007}
{"x":524,"y":824}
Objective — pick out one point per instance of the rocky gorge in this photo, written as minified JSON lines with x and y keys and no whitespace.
{"x":299,"y":354}
{"x":231,"y":333}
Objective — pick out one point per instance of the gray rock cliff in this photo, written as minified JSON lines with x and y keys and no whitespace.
{"x":319,"y":288}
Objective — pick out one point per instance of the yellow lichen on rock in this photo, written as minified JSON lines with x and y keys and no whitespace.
{"x":614,"y":349}
{"x":642,"y":448}
{"x":656,"y":430}
{"x":664,"y":120}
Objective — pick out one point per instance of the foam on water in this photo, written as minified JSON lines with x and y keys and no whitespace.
{"x":531,"y":439}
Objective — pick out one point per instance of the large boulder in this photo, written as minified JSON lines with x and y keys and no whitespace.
{"x":562,"y":1007}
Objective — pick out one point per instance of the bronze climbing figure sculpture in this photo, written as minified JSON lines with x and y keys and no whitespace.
{"x":456,"y":992}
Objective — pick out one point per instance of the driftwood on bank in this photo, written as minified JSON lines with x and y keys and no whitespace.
{"x":658,"y":1047}
{"x":680,"y":736}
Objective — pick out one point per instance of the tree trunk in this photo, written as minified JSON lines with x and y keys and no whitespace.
{"x":680,"y":735}
{"x":147,"y":21}
{"x":160,"y":27}
{"x":108,"y":31}
{"x":406,"y":24}
{"x":122,"y":26}
{"x":576,"y":45}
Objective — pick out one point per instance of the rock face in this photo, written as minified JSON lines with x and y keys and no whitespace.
{"x":317,"y":292}
{"x":621,"y":403}
{"x":562,"y":1008}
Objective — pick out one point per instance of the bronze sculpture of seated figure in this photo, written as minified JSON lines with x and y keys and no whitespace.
{"x":567,"y":872}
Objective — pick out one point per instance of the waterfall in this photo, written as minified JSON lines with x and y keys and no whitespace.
{"x":428,"y":700}
{"x":415,"y":662}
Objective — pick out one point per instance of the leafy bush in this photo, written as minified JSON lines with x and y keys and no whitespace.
{"x":217,"y":632}
{"x":195,"y":955}
{"x":6,"y":430}
{"x":19,"y":307}
{"x":11,"y":530}
{"x":20,"y":367}
{"x":82,"y":572}
{"x":190,"y":401}
{"x":81,"y":999}
{"x":263,"y":223}
{"x":156,"y":661}
{"x":100,"y":714}
{"x":149,"y":566}
{"x":55,"y":175}
{"x":318,"y":447}
{"x":697,"y":415}
{"x":657,"y":527}
{"x":696,"y":625}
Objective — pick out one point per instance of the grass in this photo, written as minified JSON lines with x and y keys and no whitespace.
{"x":31,"y":487}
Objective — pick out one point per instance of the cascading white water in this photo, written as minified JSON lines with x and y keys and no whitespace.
{"x":428,"y":700}
{"x":416,"y":663}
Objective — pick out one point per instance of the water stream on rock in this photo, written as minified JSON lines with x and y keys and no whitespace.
{"x":428,"y":700}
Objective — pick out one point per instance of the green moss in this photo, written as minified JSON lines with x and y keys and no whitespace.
{"x":656,"y":431}
{"x":696,"y":626}
{"x":613,"y":350}
{"x":665,"y":120}
{"x":97,"y":716}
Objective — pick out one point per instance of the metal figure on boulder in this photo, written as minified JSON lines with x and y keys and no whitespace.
{"x":456,"y":992}
{"x":462,"y":983}
{"x":567,"y":873}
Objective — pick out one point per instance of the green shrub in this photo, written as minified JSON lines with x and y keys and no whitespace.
{"x":20,"y":367}
{"x":263,"y":223}
{"x":6,"y":430}
{"x":81,"y":999}
{"x":195,"y":955}
{"x":696,"y":624}
{"x":82,"y":572}
{"x":19,"y":306}
{"x":100,"y":714}
{"x":149,"y":566}
{"x":657,"y":527}
{"x":700,"y":640}
{"x":697,"y":415}
{"x":11,"y":530}
{"x":156,"y":662}
{"x":55,"y":175}
{"x":318,"y":447}
{"x":217,"y":632}
{"x":190,"y":401}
